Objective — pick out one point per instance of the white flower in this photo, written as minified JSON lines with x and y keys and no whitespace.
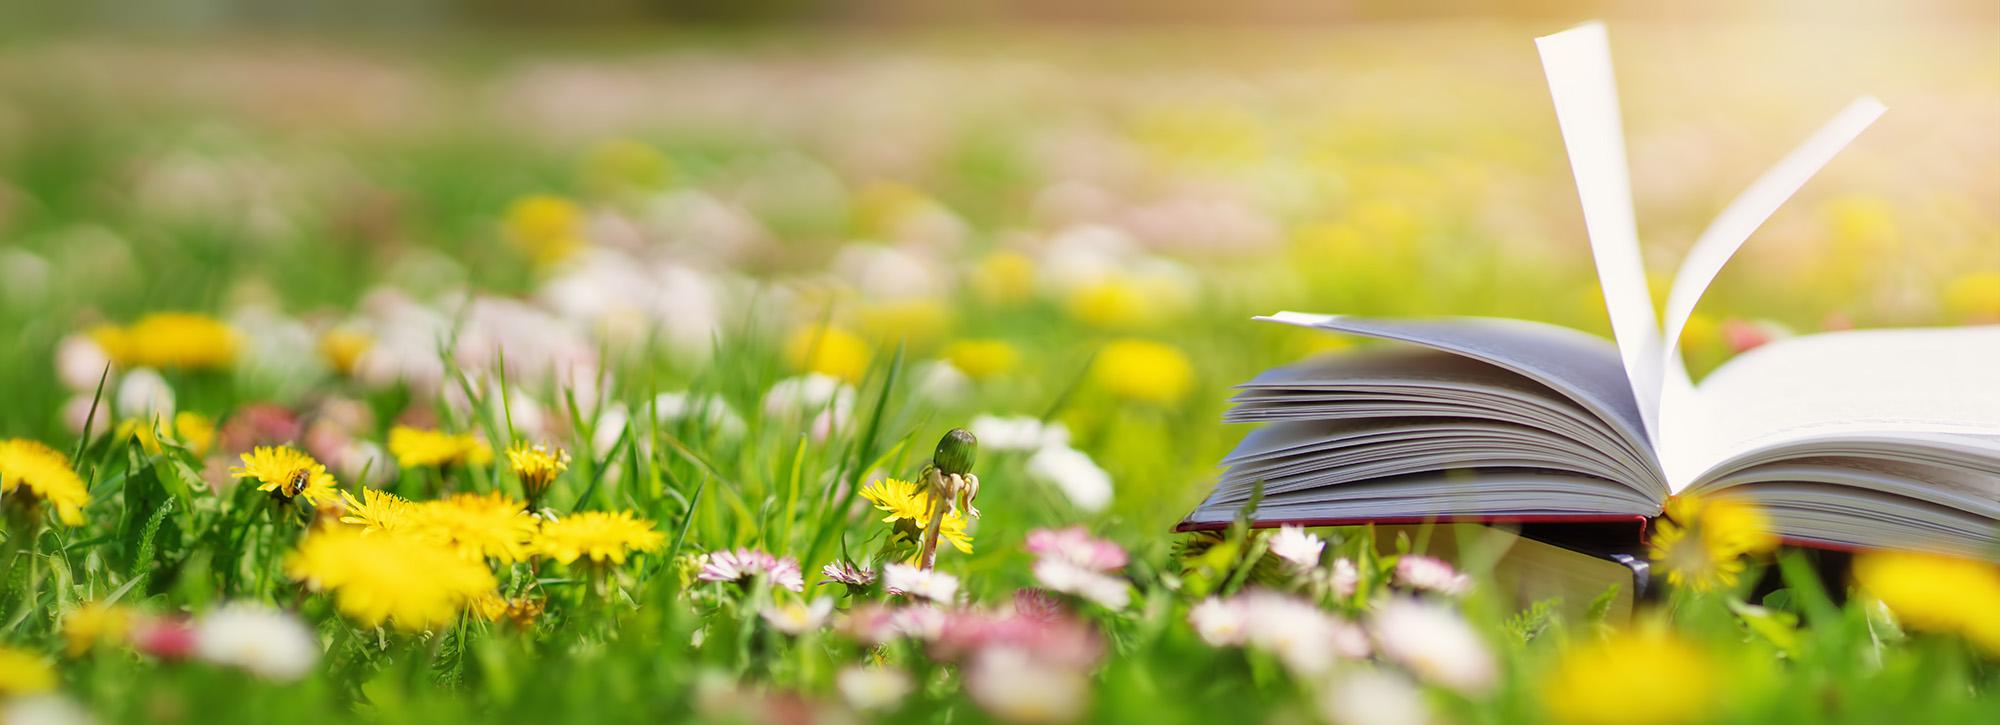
{"x":268,"y":643}
{"x":796,"y":618}
{"x":51,"y":709}
{"x":1220,"y":622}
{"x":1011,"y":685}
{"x":940,"y":382}
{"x":873,"y":688}
{"x":1373,"y":697}
{"x":1298,"y":632}
{"x":1066,"y":576}
{"x":809,"y":394}
{"x":80,"y":361}
{"x":143,"y":394}
{"x":928,"y":584}
{"x":1345,"y":578}
{"x":889,"y":274}
{"x":1072,"y":471}
{"x":1434,"y":643}
{"x":1018,"y":433}
{"x":1431,"y":574}
{"x":1299,"y":549}
{"x":710,"y":410}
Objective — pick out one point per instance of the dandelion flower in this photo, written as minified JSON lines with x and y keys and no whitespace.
{"x":1143,"y":371}
{"x":1632,"y":677}
{"x":1936,"y":593}
{"x":601,"y":536}
{"x":478,"y":526}
{"x":342,"y":348}
{"x":417,"y":448}
{"x":911,"y":502}
{"x":546,"y":228}
{"x":289,"y":473}
{"x":537,"y":466}
{"x":830,"y":351}
{"x":389,"y":576}
{"x":1004,"y":278}
{"x":24,"y":673}
{"x":983,"y":359}
{"x":90,"y":625}
{"x":377,"y":510}
{"x":1701,"y":541}
{"x":184,"y":340}
{"x":45,"y":474}
{"x":743,"y":565}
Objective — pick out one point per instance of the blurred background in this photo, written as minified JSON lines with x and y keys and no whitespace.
{"x":1050,"y":175}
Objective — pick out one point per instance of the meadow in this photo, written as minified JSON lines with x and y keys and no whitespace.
{"x":613,"y":377}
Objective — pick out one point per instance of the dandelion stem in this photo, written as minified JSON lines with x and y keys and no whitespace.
{"x":939,"y":501}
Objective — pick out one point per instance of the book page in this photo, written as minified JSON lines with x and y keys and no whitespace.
{"x":1943,"y":381}
{"x":1578,"y":65}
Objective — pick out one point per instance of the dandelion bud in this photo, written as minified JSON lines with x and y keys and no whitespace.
{"x":537,"y":467}
{"x":956,"y":452}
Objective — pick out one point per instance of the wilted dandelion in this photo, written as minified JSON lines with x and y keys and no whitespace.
{"x":43,"y":472}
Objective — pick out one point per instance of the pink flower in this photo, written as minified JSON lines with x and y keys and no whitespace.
{"x":743,"y":565}
{"x":165,"y":638}
{"x":1038,"y":605}
{"x":1345,"y":578}
{"x":1076,"y":546}
{"x":847,"y":572}
{"x":1430,"y":574}
{"x":1064,"y":641}
{"x":1298,"y":549}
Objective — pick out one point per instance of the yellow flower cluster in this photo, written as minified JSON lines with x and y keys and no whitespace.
{"x":192,"y":430}
{"x":44,"y":473}
{"x":414,"y":582}
{"x":1646,"y":676}
{"x":417,"y":448}
{"x":909,"y":501}
{"x":1702,"y":540}
{"x":288,"y":472}
{"x":1143,"y":370}
{"x":493,"y":526}
{"x":170,"y":339}
{"x":537,"y":466}
{"x":1936,"y":593}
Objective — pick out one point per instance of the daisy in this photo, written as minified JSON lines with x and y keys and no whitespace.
{"x":795,"y":618}
{"x":1299,"y":550}
{"x":873,"y":689}
{"x":930,"y":584}
{"x":265,"y":642}
{"x":1434,"y":643}
{"x":1220,"y":622}
{"x":744,"y":565}
{"x":1430,"y":574}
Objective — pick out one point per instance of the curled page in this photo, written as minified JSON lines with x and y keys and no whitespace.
{"x":1578,"y":65}
{"x":1749,"y":210}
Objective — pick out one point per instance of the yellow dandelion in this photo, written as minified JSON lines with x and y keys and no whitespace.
{"x":477,"y":526}
{"x":342,"y":348}
{"x":829,"y":350}
{"x":1974,"y":297}
{"x":1004,"y":278}
{"x":192,"y":430}
{"x":392,"y":576}
{"x":1936,"y":593}
{"x":46,"y":475}
{"x":918,"y":323}
{"x":537,"y":466}
{"x":289,"y":473}
{"x":417,"y":448}
{"x":1701,"y":541}
{"x":1632,"y":677}
{"x":1143,"y":370}
{"x":599,"y":536}
{"x":548,"y":229}
{"x":519,"y":611}
{"x":908,"y":501}
{"x":183,"y":340}
{"x":983,"y":359}
{"x":90,"y":625}
{"x":377,"y":510}
{"x":1113,"y":303}
{"x":24,"y":673}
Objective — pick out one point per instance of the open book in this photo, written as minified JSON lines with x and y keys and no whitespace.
{"x":1871,"y":438}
